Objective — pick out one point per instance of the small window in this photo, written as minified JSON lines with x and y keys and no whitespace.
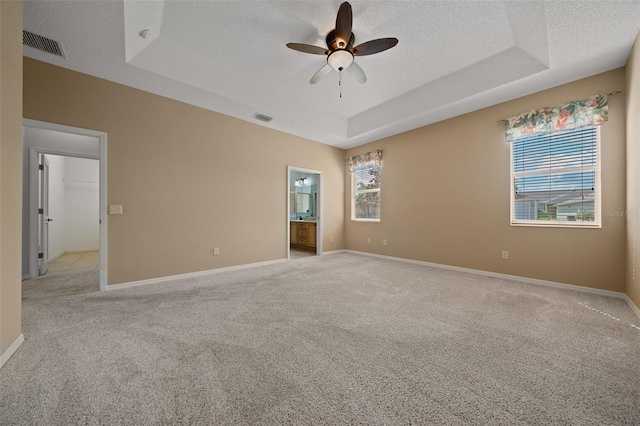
{"x":555,"y":179}
{"x":365,"y":185}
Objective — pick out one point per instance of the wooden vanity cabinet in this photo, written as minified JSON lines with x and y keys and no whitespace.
{"x":312,"y":235}
{"x":303,"y":234}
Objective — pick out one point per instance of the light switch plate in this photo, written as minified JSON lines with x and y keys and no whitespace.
{"x":115,"y":209}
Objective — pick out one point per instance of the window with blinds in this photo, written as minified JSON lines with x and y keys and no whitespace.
{"x":556,"y":179}
{"x":365,"y":194}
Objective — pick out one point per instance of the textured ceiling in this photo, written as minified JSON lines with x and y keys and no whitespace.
{"x":230,"y":56}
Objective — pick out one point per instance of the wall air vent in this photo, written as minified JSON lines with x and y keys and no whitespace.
{"x":262,"y":117}
{"x":42,"y":43}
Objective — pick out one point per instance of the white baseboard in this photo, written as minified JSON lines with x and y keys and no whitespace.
{"x":203,"y":273}
{"x":633,"y":306}
{"x":498,"y":275}
{"x":332,"y":252}
{"x":11,"y":350}
{"x":77,"y":250}
{"x":192,"y":274}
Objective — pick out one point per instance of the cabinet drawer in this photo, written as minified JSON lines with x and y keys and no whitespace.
{"x":302,"y":232}
{"x":302,"y":241}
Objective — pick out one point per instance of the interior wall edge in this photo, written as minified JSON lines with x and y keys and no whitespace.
{"x":12,"y":349}
{"x":11,"y":108}
{"x":632,"y":98}
{"x":632,"y":305}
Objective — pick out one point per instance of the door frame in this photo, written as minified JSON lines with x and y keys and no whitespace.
{"x":33,"y":189}
{"x":319,"y":201}
{"x":43,"y":219}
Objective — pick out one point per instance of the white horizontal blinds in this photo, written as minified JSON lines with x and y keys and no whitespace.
{"x":367,"y":193}
{"x":555,"y":177}
{"x":367,"y":179}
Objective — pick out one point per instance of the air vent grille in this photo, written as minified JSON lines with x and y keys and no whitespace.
{"x":262,"y":117}
{"x":42,"y":43}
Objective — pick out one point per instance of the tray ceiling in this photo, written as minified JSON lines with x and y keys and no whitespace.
{"x":230,"y":56}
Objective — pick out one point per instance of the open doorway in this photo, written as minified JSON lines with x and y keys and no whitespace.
{"x":304,"y":201}
{"x":64,"y":200}
{"x":68,"y":227}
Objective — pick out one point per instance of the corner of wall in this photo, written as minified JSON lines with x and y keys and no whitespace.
{"x":632,"y":83}
{"x":10,"y":174}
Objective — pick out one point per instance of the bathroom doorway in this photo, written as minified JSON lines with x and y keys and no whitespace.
{"x":304,"y":206}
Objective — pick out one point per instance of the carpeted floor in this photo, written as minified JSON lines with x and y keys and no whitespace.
{"x":340,"y":339}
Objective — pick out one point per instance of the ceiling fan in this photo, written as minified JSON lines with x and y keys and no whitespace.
{"x":340,"y":51}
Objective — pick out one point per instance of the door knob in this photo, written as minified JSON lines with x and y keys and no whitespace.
{"x":49,"y":219}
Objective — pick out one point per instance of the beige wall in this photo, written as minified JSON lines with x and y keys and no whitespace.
{"x":10,"y":170}
{"x":189,"y":179}
{"x":445,"y":197}
{"x":633,"y":172}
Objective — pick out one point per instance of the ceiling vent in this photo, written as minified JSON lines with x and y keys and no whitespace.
{"x":42,"y":43}
{"x":262,"y":117}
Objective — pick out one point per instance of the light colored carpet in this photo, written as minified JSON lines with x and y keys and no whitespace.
{"x":339,"y":339}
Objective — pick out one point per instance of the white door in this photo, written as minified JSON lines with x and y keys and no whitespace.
{"x":44,"y":219}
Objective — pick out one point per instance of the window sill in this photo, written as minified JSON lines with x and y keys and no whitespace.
{"x":366,"y":220}
{"x":556,"y":225}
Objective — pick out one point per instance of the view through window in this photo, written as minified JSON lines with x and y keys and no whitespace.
{"x":366,"y":194}
{"x":556,"y":178}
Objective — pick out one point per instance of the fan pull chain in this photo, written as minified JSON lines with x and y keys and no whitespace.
{"x":340,"y":82}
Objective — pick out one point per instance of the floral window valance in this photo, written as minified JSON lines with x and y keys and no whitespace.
{"x":364,"y":161}
{"x":593,"y":111}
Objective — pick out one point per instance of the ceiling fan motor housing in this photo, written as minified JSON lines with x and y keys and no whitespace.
{"x":334,"y":44}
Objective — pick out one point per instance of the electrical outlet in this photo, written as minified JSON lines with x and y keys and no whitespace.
{"x":505,"y":254}
{"x":369,"y":240}
{"x":115,"y":209}
{"x":384,"y":242}
{"x":216,"y":251}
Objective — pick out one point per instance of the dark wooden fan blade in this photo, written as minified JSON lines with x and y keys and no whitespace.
{"x":375,"y":46}
{"x":344,"y":21}
{"x":307,"y":48}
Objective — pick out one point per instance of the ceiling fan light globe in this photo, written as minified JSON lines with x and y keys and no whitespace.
{"x":340,"y":59}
